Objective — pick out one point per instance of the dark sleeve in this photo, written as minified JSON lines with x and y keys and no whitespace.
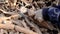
{"x":45,"y":14}
{"x":57,"y":6}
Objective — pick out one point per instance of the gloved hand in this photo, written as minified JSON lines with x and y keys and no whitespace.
{"x":53,"y":15}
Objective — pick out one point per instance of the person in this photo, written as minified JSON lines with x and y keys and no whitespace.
{"x":51,"y":14}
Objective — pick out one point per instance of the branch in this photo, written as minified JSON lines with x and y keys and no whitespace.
{"x":17,"y":28}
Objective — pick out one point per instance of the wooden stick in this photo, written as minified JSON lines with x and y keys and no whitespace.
{"x":6,"y":26}
{"x":15,"y":1}
{"x":24,"y":24}
{"x":1,"y":31}
{"x":5,"y":31}
{"x":27,"y":31}
{"x":7,"y":12}
{"x":17,"y":28}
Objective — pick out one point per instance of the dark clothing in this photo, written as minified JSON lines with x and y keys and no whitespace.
{"x":52,"y":14}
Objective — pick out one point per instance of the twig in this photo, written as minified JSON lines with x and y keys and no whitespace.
{"x":17,"y":28}
{"x":6,"y":12}
{"x":24,"y":30}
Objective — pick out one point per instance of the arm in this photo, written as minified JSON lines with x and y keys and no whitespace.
{"x":42,"y":22}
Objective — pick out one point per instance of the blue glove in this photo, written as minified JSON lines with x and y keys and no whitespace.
{"x":52,"y":14}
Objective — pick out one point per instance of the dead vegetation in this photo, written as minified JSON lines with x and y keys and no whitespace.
{"x":18,"y":17}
